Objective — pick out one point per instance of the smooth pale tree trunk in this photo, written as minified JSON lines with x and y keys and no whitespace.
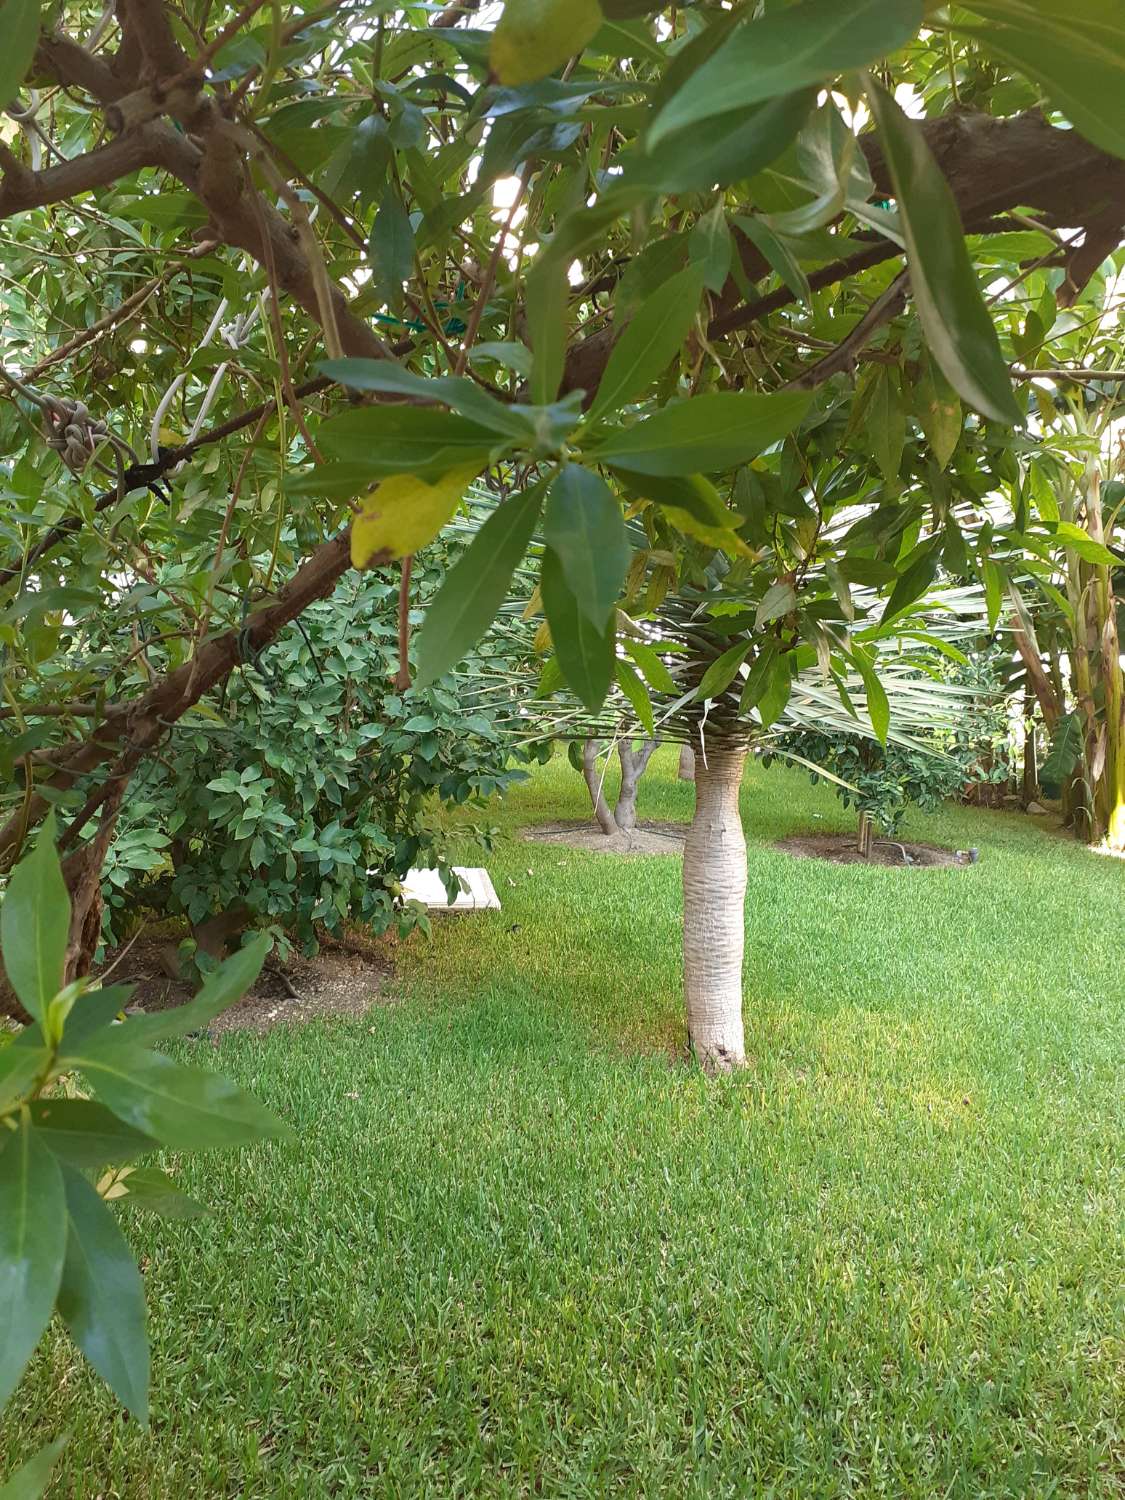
{"x":687,"y":763}
{"x":633,"y":765}
{"x":595,"y":785}
{"x":714,"y":915}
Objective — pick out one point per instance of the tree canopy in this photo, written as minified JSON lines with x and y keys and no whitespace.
{"x":780,"y":302}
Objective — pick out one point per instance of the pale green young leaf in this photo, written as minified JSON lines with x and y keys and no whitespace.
{"x":634,"y":689}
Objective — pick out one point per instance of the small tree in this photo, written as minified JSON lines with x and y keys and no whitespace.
{"x":633,"y":756}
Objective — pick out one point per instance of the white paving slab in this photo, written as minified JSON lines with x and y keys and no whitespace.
{"x":477,"y":891}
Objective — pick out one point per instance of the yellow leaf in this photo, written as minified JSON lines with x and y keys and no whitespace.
{"x":404,"y":513}
{"x":534,"y":37}
{"x":170,"y":438}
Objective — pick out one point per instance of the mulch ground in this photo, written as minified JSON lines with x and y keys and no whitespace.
{"x":840,"y":849}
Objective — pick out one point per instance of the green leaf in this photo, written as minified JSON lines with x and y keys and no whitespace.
{"x":391,"y":247}
{"x":878,"y":705}
{"x":456,"y":391}
{"x":149,"y":1187}
{"x":226,"y":984}
{"x":939,"y":413}
{"x":656,"y":674}
{"x":779,"y":599}
{"x":652,"y":338}
{"x":534,"y":37}
{"x":758,"y":678}
{"x":1065,"y":755}
{"x":777,"y":691}
{"x":994,"y":581}
{"x":911,"y":585}
{"x":19,"y":26}
{"x":786,"y":50}
{"x":722,"y":671}
{"x":30,"y":1481}
{"x":777,"y":253}
{"x":704,"y":434}
{"x":886,"y":424}
{"x":385,"y":441}
{"x":546,"y":325}
{"x":101,"y":1298}
{"x":34,"y":923}
{"x":85,"y":1134}
{"x":955,"y":321}
{"x":634,"y":689}
{"x":735,"y":147}
{"x":95,"y":1009}
{"x":1077,"y":52}
{"x":584,"y":528}
{"x":584,"y":652}
{"x":709,"y":247}
{"x":183,"y":1108}
{"x":474,"y":589}
{"x":32,"y":1246}
{"x":1077,"y":541}
{"x":19,"y":1068}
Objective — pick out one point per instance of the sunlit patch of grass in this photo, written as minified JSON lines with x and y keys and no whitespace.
{"x":513,"y":1251}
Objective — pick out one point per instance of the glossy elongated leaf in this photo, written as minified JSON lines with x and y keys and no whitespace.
{"x":150,"y":1188}
{"x":1077,"y":52}
{"x":458,"y":392}
{"x":777,"y":253}
{"x":789,"y":49}
{"x":95,"y":1009}
{"x":32,"y":1246}
{"x":382,"y":441}
{"x":226,"y":984}
{"x":939,"y":412}
{"x":476,"y":586}
{"x":534,"y":37}
{"x":993,"y":576}
{"x":878,"y":704}
{"x":404,"y":513}
{"x":954,"y":319}
{"x":34,"y":921}
{"x":734,"y":147}
{"x":723,"y":670}
{"x":709,"y":247}
{"x":1083,"y":545}
{"x":101,"y":1297}
{"x":886,"y":424}
{"x":777,"y":690}
{"x":85,"y":1134}
{"x":20,"y":1067}
{"x":656,"y":674}
{"x":779,"y":599}
{"x":19,"y":26}
{"x":911,"y":585}
{"x":185,"y":1109}
{"x":584,"y":528}
{"x":650,"y":341}
{"x":585,"y":653}
{"x":634,"y":689}
{"x":31,"y":1479}
{"x":546,"y":325}
{"x":704,"y":434}
{"x":391,"y":247}
{"x":758,"y":677}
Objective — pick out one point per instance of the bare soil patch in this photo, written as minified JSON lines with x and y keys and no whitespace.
{"x":840,"y":849}
{"x":646,"y":838}
{"x":336,"y":982}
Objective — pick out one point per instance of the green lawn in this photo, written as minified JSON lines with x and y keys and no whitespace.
{"x":517,"y":1249}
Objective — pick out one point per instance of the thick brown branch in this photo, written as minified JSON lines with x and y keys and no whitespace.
{"x":21,"y":191}
{"x":136,"y":727}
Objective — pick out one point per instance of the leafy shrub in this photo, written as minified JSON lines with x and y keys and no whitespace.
{"x":304,"y":796}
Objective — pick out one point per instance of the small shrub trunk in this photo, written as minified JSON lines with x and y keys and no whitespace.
{"x":714,"y":911}
{"x":687,"y":763}
{"x":865,"y":835}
